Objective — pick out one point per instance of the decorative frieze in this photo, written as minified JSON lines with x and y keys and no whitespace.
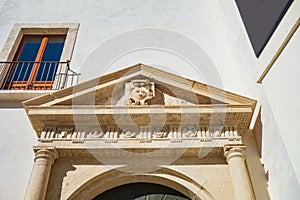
{"x":143,"y":134}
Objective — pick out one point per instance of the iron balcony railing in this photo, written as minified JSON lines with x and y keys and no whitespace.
{"x":25,"y":75}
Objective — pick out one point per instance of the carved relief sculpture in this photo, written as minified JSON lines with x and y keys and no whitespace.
{"x":140,"y":91}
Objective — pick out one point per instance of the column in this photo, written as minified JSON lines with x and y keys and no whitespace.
{"x":235,"y":157}
{"x":43,"y":161}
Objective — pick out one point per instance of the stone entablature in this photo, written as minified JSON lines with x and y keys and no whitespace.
{"x":237,"y":116}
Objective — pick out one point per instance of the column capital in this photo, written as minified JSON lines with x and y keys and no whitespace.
{"x":48,"y":153}
{"x":237,"y":150}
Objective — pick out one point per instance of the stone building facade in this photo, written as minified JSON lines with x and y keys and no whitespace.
{"x":203,"y":116}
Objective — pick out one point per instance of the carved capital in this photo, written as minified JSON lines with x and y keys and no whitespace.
{"x":48,"y":154}
{"x":233,"y":151}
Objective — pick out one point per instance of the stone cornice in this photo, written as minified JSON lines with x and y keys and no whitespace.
{"x":203,"y":115}
{"x":154,"y":152}
{"x":96,"y":109}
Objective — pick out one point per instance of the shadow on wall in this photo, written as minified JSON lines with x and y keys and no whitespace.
{"x":253,"y":141}
{"x":257,"y":131}
{"x":60,"y":169}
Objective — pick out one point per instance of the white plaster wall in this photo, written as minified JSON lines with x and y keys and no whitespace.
{"x":277,"y":160}
{"x":283,"y":83}
{"x":100,"y":20}
{"x":16,"y":155}
{"x":278,"y":37}
{"x":214,"y":25}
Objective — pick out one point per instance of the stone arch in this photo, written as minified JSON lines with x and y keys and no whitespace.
{"x":116,"y":177}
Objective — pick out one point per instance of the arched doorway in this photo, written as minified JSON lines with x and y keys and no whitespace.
{"x":141,"y":191}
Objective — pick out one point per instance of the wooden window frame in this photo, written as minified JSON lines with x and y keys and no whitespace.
{"x":31,"y":83}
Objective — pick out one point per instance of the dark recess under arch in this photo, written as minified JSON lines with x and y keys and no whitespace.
{"x":141,"y":191}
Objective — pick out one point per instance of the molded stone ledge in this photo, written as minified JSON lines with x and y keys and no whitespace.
{"x":16,"y":97}
{"x":137,"y":144}
{"x":191,"y":152}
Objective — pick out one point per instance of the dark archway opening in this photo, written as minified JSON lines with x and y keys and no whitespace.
{"x":141,"y":191}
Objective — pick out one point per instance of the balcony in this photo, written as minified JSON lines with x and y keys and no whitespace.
{"x":19,"y":75}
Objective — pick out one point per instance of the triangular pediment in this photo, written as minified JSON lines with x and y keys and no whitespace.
{"x":140,"y":85}
{"x":140,"y":94}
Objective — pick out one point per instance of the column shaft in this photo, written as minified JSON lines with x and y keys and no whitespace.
{"x":242,"y":187}
{"x":38,"y":183}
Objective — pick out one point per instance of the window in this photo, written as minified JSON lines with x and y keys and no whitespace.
{"x":37,"y":60}
{"x":36,"y":56}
